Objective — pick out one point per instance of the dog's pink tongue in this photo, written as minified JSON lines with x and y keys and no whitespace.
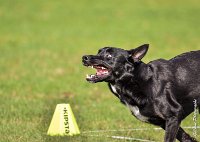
{"x":101,"y":72}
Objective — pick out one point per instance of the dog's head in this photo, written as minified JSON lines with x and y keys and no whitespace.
{"x":112,"y":63}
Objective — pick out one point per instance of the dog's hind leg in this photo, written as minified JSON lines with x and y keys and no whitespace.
{"x":182,"y":136}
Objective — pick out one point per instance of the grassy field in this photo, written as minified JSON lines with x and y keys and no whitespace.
{"x":41,"y":44}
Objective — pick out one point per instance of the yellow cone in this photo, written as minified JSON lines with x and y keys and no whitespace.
{"x":63,"y":122}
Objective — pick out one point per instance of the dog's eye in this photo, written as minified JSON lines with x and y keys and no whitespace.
{"x":108,"y":56}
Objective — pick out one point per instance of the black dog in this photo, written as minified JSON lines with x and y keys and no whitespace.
{"x":161,"y":92}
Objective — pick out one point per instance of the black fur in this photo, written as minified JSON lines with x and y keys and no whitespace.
{"x":160,"y":92}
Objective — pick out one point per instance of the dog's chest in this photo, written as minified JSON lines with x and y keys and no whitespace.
{"x":134,"y":109}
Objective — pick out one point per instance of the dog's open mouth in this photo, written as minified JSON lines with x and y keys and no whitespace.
{"x":101,"y":74}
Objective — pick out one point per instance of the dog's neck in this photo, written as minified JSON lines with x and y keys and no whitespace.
{"x":128,"y":87}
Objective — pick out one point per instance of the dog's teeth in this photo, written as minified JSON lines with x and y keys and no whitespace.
{"x":105,"y":72}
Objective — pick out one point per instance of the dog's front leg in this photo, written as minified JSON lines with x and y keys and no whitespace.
{"x":167,"y":107}
{"x":171,"y":129}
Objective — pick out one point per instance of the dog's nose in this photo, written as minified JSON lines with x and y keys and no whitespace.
{"x":85,"y":58}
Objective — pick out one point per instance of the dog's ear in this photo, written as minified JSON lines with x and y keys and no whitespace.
{"x":138,"y":53}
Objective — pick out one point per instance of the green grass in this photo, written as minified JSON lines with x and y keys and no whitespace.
{"x":41,"y":44}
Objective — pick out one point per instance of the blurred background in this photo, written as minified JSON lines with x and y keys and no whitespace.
{"x":41,"y":45}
